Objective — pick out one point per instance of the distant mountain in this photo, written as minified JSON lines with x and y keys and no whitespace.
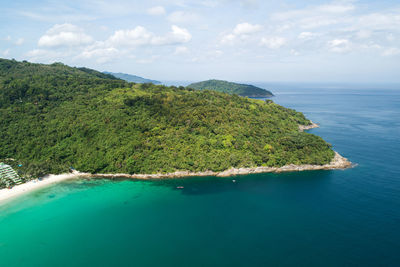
{"x":132,"y":78}
{"x":231,"y":88}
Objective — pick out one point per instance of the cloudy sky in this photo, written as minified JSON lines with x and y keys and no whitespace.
{"x":240,"y":40}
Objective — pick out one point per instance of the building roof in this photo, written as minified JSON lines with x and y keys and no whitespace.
{"x":8,"y":175}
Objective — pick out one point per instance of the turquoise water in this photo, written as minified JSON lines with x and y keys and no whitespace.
{"x":319,"y":218}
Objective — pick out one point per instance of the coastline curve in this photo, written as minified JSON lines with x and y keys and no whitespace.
{"x":338,"y":162}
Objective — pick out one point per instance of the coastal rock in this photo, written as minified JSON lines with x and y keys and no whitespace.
{"x":338,"y":162}
{"x":308,"y":127}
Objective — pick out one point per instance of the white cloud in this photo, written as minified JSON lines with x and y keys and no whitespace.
{"x":393,"y":51}
{"x":47,"y":55}
{"x":141,"y":36}
{"x":101,"y":54}
{"x":242,"y":31}
{"x":336,"y":8}
{"x":339,"y":29}
{"x":7,"y":38}
{"x":179,"y":50}
{"x":179,"y":35}
{"x":182,"y":17}
{"x":6,"y":52}
{"x":363,"y":34}
{"x":378,"y":21}
{"x":156,"y":11}
{"x":371,"y":46}
{"x":274,"y":33}
{"x":20,"y":41}
{"x":176,"y":36}
{"x":137,"y":36}
{"x":246,"y":28}
{"x":339,"y":21}
{"x":228,"y":39}
{"x":339,"y":45}
{"x":64,"y":35}
{"x":274,"y":42}
{"x":294,"y":52}
{"x":315,"y":16}
{"x":36,"y":53}
{"x":209,"y":3}
{"x":307,"y":35}
{"x":55,"y":14}
{"x":282,"y":28}
{"x":390,"y":37}
{"x":218,"y":53}
{"x":148,"y":60}
{"x":321,"y":10}
{"x":122,"y":43}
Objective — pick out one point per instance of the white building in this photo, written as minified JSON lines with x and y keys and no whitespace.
{"x":8,"y":175}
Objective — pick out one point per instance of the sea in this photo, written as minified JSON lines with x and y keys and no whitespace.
{"x":313,"y":218}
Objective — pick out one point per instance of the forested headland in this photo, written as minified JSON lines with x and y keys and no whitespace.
{"x":54,"y":117}
{"x":231,"y":88}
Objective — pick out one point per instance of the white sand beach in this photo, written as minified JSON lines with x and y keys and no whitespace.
{"x":7,"y":194}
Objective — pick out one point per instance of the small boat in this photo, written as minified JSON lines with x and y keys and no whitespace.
{"x":180,"y":187}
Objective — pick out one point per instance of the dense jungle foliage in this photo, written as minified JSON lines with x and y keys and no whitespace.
{"x":54,"y":117}
{"x":231,"y":88}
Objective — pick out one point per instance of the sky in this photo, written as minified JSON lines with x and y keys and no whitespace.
{"x":237,"y":40}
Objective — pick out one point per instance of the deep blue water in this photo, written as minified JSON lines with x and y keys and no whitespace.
{"x":319,"y":218}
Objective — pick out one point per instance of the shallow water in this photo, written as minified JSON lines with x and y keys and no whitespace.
{"x":327,"y":218}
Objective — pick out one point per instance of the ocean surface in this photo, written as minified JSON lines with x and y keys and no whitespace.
{"x":314,"y":218}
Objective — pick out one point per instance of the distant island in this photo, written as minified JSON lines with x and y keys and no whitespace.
{"x":55,"y":118}
{"x":231,"y":88}
{"x":132,"y":78}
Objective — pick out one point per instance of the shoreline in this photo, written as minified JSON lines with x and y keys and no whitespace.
{"x":303,"y":128}
{"x":18,"y":190}
{"x":338,"y":162}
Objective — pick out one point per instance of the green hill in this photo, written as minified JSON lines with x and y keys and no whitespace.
{"x":231,"y":88}
{"x":54,"y":117}
{"x":132,"y":78}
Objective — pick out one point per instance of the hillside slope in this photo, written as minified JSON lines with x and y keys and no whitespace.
{"x":231,"y":88}
{"x":55,"y":117}
{"x":132,"y":78}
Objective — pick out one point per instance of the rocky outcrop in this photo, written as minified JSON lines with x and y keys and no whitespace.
{"x":338,"y":162}
{"x":308,"y":127}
